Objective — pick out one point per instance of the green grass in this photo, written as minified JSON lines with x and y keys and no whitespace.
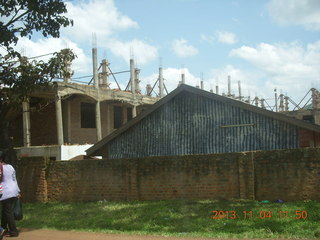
{"x":177,"y":218}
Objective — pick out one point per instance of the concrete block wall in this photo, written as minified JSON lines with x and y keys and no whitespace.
{"x":282,"y":174}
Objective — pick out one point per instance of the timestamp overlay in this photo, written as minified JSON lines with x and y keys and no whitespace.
{"x":263,"y":214}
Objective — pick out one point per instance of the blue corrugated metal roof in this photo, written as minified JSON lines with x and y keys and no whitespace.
{"x":198,"y":92}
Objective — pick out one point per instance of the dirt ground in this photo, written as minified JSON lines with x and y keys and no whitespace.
{"x":43,"y":234}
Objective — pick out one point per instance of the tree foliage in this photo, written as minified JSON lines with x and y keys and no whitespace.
{"x":19,"y":75}
{"x":21,"y":18}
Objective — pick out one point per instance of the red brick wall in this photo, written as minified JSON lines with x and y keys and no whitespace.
{"x":308,"y":138}
{"x":31,"y":177}
{"x":43,"y":126}
{"x":282,"y":174}
{"x":207,"y":177}
{"x":80,"y":135}
{"x":287,"y":174}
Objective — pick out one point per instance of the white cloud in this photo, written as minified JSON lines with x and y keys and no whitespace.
{"x":104,"y":19}
{"x":142,"y":51}
{"x":172,"y":77}
{"x":182,"y":49}
{"x":252,"y":83}
{"x":290,"y":60}
{"x":226,"y":37}
{"x":96,"y":16}
{"x":218,"y":77}
{"x":207,"y":38}
{"x":221,"y":79}
{"x":49,"y":45}
{"x":291,"y":67}
{"x":248,"y":81}
{"x":296,"y":12}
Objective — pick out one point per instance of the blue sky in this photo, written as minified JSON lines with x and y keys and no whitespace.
{"x":265,"y":44}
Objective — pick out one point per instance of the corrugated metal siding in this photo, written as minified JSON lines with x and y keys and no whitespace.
{"x":191,"y":124}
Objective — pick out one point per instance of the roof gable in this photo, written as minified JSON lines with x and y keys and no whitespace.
{"x":191,"y":90}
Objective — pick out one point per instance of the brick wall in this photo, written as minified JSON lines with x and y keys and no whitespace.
{"x":79,"y":135}
{"x":31,"y":177}
{"x":282,"y":174}
{"x":43,"y":126}
{"x":308,"y":138}
{"x":287,"y":174}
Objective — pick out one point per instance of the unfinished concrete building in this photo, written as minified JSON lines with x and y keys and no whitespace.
{"x":62,"y":120}
{"x":308,"y":109}
{"x":309,"y":112}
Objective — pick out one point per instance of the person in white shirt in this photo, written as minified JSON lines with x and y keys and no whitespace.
{"x":10,"y":193}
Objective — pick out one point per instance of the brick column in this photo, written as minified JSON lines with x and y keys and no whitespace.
{"x":246,"y":176}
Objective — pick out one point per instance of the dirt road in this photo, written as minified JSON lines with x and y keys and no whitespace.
{"x":43,"y":234}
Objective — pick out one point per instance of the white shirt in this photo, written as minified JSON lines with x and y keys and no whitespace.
{"x":10,"y":186}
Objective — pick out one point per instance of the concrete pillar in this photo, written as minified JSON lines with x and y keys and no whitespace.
{"x":149,"y":89}
{"x":137,"y":80}
{"x":281,"y":104}
{"x":109,"y":116}
{"x":105,"y":73}
{"x":132,"y":77}
{"x":262,"y":103}
{"x":316,"y":116}
{"x":286,"y":103}
{"x":256,"y":101}
{"x":124,"y":115}
{"x":26,"y":123}
{"x":67,"y":121}
{"x":67,"y":71}
{"x":240,"y":92}
{"x":315,"y":99}
{"x":276,"y":99}
{"x":98,"y":121}
{"x":161,"y":84}
{"x":59,"y":120}
{"x":134,"y":111}
{"x":95,"y":67}
{"x":183,"y":78}
{"x":229,"y":86}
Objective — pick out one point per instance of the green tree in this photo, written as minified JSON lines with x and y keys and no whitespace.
{"x":19,"y":76}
